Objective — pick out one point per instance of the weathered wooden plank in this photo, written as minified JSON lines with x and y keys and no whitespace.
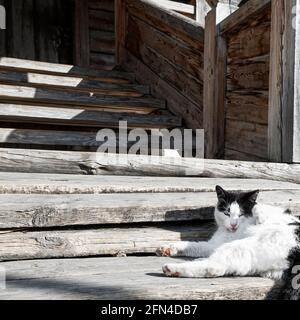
{"x":210,"y":113}
{"x":82,"y":117}
{"x":247,"y":137}
{"x":82,"y":45}
{"x":47,"y":161}
{"x":80,"y":84}
{"x":95,"y":242}
{"x":168,"y":21}
{"x":252,"y":76}
{"x":102,"y":61}
{"x":191,"y":113}
{"x":186,"y":78}
{"x":119,"y":278}
{"x":250,"y":10}
{"x":101,"y":41}
{"x":147,"y":36}
{"x":251,"y":41}
{"x":43,"y":161}
{"x":44,"y":211}
{"x":40,"y":211}
{"x":231,"y":154}
{"x":284,"y":94}
{"x":40,"y":95}
{"x":101,"y":20}
{"x":30,"y":183}
{"x":25,"y":65}
{"x":107,"y":5}
{"x":221,"y":87}
{"x":177,"y":6}
{"x":248,"y":107}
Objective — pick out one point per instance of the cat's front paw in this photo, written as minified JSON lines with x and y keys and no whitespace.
{"x":167,"y":251}
{"x":171,"y":270}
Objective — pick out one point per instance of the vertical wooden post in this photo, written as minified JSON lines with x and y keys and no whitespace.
{"x":215,"y":58}
{"x":209,"y":115}
{"x":284,"y":94}
{"x":120,"y":28}
{"x":220,"y":102}
{"x":82,"y":36}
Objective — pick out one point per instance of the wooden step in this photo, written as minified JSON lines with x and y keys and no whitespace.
{"x":72,"y":162}
{"x":129,"y":278}
{"x":35,"y":183}
{"x":94,"y":242}
{"x":83,"y":117}
{"x":62,"y":82}
{"x":13,"y":93}
{"x":53,"y":68}
{"x":44,"y":211}
{"x":76,"y":140}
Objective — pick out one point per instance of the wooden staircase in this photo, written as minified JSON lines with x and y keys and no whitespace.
{"x":58,"y":201}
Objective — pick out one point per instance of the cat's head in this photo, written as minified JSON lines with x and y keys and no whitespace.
{"x":234,"y":208}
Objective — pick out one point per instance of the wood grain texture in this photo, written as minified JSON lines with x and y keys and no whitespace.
{"x":44,"y":211}
{"x":191,"y":113}
{"x":41,"y":161}
{"x":95,"y":242}
{"x":30,"y":183}
{"x":249,"y":11}
{"x":82,"y":50}
{"x":64,"y":82}
{"x":41,"y":95}
{"x":209,"y":98}
{"x":284,"y":93}
{"x":168,"y":21}
{"x":54,"y":68}
{"x":248,"y":72}
{"x":130,"y":278}
{"x":83,"y":117}
{"x":156,"y":50}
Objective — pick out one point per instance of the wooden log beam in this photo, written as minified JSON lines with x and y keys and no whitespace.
{"x":248,"y":11}
{"x":177,"y":6}
{"x":95,"y":242}
{"x":38,"y":183}
{"x":284,"y":96}
{"x":44,"y":211}
{"x":70,"y":162}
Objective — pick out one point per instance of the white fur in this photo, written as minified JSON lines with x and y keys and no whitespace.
{"x":259,"y":246}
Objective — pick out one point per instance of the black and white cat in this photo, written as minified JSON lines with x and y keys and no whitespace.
{"x":251,"y":239}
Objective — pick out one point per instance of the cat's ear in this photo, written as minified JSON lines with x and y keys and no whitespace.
{"x":251,"y":196}
{"x":221,"y":193}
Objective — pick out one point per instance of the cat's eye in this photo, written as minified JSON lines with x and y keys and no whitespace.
{"x":227,"y":214}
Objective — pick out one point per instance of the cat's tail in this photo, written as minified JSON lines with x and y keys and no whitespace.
{"x":290,"y":287}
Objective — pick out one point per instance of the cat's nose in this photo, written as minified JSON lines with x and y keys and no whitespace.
{"x":233,"y":225}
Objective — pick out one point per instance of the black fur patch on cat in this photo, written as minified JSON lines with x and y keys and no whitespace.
{"x":246,"y":200}
{"x":287,"y":291}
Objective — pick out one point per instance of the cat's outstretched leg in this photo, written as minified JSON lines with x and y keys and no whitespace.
{"x":186,"y":249}
{"x":240,"y":258}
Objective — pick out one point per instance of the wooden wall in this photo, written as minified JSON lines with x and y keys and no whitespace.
{"x":248,"y":64}
{"x":102,"y":33}
{"x":165,"y":49}
{"x":44,"y":30}
{"x":38,"y":30}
